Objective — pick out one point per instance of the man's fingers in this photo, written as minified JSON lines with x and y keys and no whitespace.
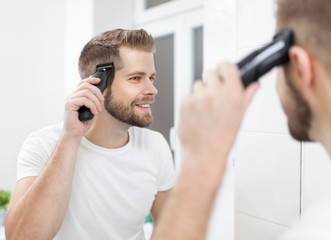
{"x":88,"y":86}
{"x":198,"y":86}
{"x":250,"y":92}
{"x":212,"y":79}
{"x":84,"y":101}
{"x":90,"y":80}
{"x":88,"y":95}
{"x":229,"y":72}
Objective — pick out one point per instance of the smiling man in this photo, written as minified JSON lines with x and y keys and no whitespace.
{"x":97,"y":179}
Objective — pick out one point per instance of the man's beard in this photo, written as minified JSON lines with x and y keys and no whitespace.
{"x":299,"y":119}
{"x":126,"y":114}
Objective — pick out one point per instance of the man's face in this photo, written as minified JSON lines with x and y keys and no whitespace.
{"x":132,"y":91}
{"x":295,"y":107}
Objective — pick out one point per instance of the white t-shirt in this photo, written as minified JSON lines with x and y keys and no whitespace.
{"x":314,"y":225}
{"x":113,"y":189}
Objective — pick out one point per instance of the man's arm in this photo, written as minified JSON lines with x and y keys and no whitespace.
{"x":158,"y":204}
{"x":187,"y":211}
{"x":39,"y":204}
{"x":210,"y":120}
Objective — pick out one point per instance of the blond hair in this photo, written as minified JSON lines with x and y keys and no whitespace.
{"x":310,"y":20}
{"x":104,"y":48}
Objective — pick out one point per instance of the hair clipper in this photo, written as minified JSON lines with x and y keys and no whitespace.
{"x":264,"y":59}
{"x":106,"y":73}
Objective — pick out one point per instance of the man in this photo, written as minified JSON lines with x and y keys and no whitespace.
{"x":211,"y":116}
{"x":97,"y":179}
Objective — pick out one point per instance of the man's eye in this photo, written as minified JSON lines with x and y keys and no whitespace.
{"x":136,"y":78}
{"x":152,"y":79}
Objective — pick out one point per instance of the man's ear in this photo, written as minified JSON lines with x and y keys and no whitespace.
{"x":302,"y":67}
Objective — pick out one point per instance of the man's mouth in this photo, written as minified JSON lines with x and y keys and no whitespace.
{"x":144,"y":106}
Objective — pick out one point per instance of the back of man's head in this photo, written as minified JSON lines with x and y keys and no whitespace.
{"x":104,"y":48}
{"x":310,"y":20}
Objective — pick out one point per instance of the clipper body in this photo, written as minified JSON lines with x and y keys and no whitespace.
{"x":263,"y":60}
{"x":106,"y":73}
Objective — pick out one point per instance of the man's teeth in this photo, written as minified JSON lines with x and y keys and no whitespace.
{"x":144,"y":105}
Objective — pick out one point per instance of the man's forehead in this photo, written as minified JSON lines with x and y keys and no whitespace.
{"x":134,"y":60}
{"x":124,"y":51}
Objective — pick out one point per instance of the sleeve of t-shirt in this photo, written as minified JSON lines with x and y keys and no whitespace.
{"x":32,"y":157}
{"x":167,"y":174}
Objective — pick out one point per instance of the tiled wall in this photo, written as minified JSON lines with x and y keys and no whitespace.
{"x":267,"y":163}
{"x":220,"y":44}
{"x":276,"y":177}
{"x":316,"y":172}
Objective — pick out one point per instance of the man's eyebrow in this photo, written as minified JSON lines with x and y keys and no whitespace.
{"x":140,"y":73}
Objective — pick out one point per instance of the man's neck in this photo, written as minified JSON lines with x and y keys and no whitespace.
{"x":319,"y":101}
{"x":108,"y":132}
{"x":325,"y":138}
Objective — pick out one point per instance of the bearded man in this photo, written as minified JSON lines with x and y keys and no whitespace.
{"x":97,"y":179}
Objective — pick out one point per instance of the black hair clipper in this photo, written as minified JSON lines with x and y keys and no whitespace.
{"x":106,"y":73}
{"x":263,"y":60}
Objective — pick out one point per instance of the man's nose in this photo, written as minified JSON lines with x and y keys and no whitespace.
{"x":150,"y":89}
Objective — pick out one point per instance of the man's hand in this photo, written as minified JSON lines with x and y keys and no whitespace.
{"x":87,"y":95}
{"x":210,"y":120}
{"x":212,"y":114}
{"x":39,"y":203}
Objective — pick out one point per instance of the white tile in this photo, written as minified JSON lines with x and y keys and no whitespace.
{"x":219,"y":32}
{"x":229,"y":176}
{"x":316,"y":174}
{"x":221,"y":224}
{"x":250,"y":228}
{"x":255,"y":22}
{"x":267,"y":177}
{"x":265,"y":113}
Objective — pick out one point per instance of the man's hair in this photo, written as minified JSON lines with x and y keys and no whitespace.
{"x":104,"y":48}
{"x":310,"y":20}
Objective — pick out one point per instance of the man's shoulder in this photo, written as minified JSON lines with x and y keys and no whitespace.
{"x":145,"y":134}
{"x":51,"y":132}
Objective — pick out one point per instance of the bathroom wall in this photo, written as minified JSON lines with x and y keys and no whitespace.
{"x":268,"y":161}
{"x":93,"y":17}
{"x":40,"y":45}
{"x":272,"y":179}
{"x":220,"y":45}
{"x":32,"y":74}
{"x":275,"y":177}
